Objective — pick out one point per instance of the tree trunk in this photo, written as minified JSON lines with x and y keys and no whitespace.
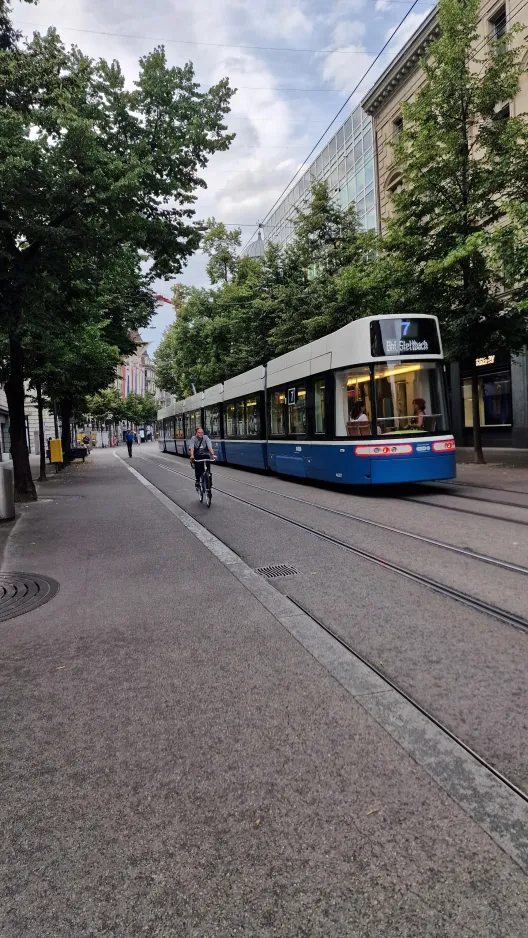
{"x":40,"y":406}
{"x":66,"y":408}
{"x":14,"y":388}
{"x":477,"y":437}
{"x":55,"y":419}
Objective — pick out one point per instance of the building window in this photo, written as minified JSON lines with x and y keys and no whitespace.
{"x":398,"y":128}
{"x":495,"y":404}
{"x":498,"y":23}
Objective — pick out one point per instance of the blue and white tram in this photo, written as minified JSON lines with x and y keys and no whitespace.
{"x":364,"y":405}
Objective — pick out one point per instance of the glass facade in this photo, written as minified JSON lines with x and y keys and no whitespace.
{"x":495,"y":399}
{"x":346,"y":164}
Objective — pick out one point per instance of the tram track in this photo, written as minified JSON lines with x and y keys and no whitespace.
{"x":418,"y":500}
{"x":484,"y":485}
{"x":410,"y":699}
{"x":455,"y":772}
{"x":479,"y":498}
{"x":502,"y":615}
{"x":462,"y":551}
{"x":467,"y":511}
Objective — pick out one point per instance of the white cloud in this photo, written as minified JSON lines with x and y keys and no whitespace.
{"x":342,"y":71}
{"x":275,"y":128}
{"x":348,"y":32}
{"x":382,"y":5}
{"x":407,"y":30}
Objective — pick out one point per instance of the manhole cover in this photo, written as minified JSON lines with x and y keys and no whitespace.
{"x":279,"y":569}
{"x":22,"y":592}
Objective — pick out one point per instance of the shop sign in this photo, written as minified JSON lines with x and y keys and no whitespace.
{"x":489,"y":360}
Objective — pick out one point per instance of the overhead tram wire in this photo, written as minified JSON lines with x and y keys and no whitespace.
{"x":195,"y":42}
{"x":332,"y":122}
{"x":381,"y":181}
{"x":483,"y":43}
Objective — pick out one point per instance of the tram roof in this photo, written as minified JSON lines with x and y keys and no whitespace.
{"x":348,"y":346}
{"x":344,"y":348}
{"x":247,"y":383}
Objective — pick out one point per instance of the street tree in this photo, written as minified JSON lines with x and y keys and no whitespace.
{"x":463,"y":159}
{"x":8,"y":34}
{"x":221,"y":245}
{"x":85,"y":166}
{"x":106,"y":407}
{"x":257,"y":308}
{"x":149,"y":408}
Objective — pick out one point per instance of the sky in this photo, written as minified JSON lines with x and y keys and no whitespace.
{"x":294,"y":63}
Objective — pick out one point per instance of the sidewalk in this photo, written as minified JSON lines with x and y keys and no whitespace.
{"x":504,"y":468}
{"x":175,"y":764}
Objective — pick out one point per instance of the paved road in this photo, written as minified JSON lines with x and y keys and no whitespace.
{"x":174,"y":763}
{"x":467,"y":669}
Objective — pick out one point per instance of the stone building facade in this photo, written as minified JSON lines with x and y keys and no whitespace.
{"x":503,"y":382}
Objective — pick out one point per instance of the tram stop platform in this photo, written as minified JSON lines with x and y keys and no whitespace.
{"x":182,"y":758}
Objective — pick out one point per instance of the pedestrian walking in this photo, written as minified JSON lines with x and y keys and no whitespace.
{"x":129,"y":441}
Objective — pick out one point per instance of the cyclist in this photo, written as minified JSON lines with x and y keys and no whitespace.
{"x":201,"y":451}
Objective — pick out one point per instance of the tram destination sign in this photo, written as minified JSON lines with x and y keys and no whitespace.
{"x":402,"y":337}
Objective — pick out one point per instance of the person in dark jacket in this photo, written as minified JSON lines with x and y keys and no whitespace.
{"x":129,"y":441}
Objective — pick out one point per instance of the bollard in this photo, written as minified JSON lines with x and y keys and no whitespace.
{"x":7,"y":500}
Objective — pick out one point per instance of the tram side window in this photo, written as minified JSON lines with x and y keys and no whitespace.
{"x":353,"y":407}
{"x":297,"y":410}
{"x":179,"y":427}
{"x":212,"y":421}
{"x":278,"y":413}
{"x":240,"y":416}
{"x":230,"y":419}
{"x":319,"y":402}
{"x":410,"y":397}
{"x":192,"y":421}
{"x":252,"y":416}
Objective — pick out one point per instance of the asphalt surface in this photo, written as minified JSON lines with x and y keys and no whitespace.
{"x":174,"y":763}
{"x":468,"y":670}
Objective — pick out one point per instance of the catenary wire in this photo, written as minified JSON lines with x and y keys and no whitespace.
{"x":194,"y":42}
{"x":391,"y":168}
{"x":340,"y":111}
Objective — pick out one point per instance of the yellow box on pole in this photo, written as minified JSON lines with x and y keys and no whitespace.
{"x":56,"y":451}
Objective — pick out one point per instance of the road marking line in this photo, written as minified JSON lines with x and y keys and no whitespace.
{"x":497,"y":809}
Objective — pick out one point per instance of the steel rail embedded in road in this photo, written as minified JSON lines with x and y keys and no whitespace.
{"x":509,"y":618}
{"x":466,"y":511}
{"x":390,"y":683}
{"x":463,"y":551}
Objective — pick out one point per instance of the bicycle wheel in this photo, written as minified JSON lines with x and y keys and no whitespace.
{"x":200,"y":490}
{"x":208,"y":498}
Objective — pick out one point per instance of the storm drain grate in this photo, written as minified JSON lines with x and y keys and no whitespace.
{"x":22,"y":592}
{"x":279,"y":569}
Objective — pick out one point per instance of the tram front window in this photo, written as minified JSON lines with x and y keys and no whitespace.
{"x":410,"y":397}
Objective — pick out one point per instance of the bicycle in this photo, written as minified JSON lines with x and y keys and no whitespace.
{"x":206,"y":483}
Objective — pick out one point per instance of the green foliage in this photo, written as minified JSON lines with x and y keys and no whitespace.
{"x":107,"y":406}
{"x":463,"y":165}
{"x":97,"y":185}
{"x":265,"y":306}
{"x":8,"y":35}
{"x":220,"y":246}
{"x":458,"y":226}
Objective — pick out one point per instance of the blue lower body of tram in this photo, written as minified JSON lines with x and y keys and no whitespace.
{"x":341,"y":462}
